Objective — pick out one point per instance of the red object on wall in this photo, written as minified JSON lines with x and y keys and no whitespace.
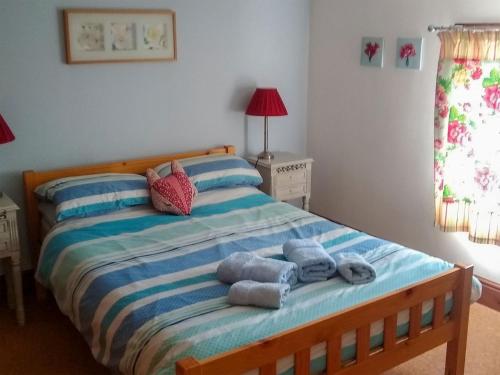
{"x":266,"y":102}
{"x":6,"y":134}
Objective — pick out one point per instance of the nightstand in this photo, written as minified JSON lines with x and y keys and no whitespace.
{"x":286,"y":177}
{"x":10,"y":250}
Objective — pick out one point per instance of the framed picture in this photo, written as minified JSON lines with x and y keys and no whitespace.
{"x":119,"y":35}
{"x":372,"y":52}
{"x":409,"y":53}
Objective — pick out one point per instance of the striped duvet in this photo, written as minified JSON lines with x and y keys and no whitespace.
{"x":141,"y":287}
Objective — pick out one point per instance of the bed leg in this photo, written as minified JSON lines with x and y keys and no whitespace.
{"x":455,"y":349}
{"x":41,"y":292}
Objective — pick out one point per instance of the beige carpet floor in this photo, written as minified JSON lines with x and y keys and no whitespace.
{"x":49,"y":344}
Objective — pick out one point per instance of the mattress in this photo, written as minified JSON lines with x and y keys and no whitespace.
{"x":141,"y":288}
{"x":48,"y":213}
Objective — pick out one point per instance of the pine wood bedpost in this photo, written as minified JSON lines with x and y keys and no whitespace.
{"x":31,"y":211}
{"x":231,"y":150}
{"x":33,"y":223}
{"x":188,"y":366}
{"x":455,"y":350}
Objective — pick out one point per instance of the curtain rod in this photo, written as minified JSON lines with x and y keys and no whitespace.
{"x":474,"y":27}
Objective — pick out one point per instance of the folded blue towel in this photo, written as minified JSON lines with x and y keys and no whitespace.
{"x":314,"y":263}
{"x":246,"y":266}
{"x":249,"y":292}
{"x":354,"y":268}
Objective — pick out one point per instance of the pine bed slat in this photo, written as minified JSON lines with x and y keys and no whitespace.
{"x":362,"y":343}
{"x":269,"y":369}
{"x":302,"y":362}
{"x":415,"y":320}
{"x":390,"y":330}
{"x":438,"y":312}
{"x":333,"y":355}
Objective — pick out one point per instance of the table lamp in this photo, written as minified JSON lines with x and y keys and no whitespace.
{"x":6,"y":135}
{"x":266,"y":102}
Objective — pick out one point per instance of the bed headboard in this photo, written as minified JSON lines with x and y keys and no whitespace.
{"x":33,"y":178}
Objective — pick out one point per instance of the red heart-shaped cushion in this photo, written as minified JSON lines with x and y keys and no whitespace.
{"x":174,"y":193}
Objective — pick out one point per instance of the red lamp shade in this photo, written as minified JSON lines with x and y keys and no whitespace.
{"x":266,"y":102}
{"x":6,"y":134}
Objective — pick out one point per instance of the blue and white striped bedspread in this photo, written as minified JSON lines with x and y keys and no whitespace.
{"x":141,"y":286}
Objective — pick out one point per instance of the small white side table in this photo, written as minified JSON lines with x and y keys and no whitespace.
{"x":286,"y":177}
{"x":10,"y":253}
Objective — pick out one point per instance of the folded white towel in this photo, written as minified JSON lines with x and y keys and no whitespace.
{"x":248,"y":292}
{"x":314,"y":263}
{"x":354,"y":268}
{"x":246,"y":266}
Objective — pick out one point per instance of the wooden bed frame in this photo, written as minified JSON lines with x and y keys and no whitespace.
{"x":264,"y":354}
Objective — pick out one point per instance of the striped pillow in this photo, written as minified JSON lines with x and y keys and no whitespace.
{"x":216,"y":171}
{"x":91,"y":195}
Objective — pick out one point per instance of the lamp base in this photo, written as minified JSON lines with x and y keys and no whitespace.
{"x":265,"y":155}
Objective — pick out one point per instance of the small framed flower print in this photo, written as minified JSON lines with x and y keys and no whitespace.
{"x":409,"y":53}
{"x":372,"y":52}
{"x":119,"y":35}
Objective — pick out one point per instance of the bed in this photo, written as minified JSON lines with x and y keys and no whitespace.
{"x":141,"y":288}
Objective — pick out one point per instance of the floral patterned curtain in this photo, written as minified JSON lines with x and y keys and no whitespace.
{"x":467,"y":135}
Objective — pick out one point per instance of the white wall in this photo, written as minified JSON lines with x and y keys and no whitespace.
{"x":371,"y":131}
{"x":67,"y":115}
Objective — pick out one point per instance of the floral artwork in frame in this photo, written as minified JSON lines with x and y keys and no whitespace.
{"x":119,"y":35}
{"x":372,"y":52}
{"x":90,"y":36}
{"x":155,"y":36}
{"x":409,"y":53}
{"x":123,"y":36}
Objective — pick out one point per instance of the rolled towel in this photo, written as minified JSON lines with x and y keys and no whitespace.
{"x":246,"y":266}
{"x":354,"y":268}
{"x":314,"y":263}
{"x":249,"y":292}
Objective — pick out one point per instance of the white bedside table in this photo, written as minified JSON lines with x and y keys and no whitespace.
{"x":286,"y":177}
{"x":10,"y":250}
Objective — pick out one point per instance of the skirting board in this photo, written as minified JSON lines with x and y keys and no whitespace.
{"x":491,"y":294}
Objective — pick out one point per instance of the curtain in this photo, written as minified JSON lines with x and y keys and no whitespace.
{"x":467,"y":135}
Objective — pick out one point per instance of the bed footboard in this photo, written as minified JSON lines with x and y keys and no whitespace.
{"x":450,"y":329}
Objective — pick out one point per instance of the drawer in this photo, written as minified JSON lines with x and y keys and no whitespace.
{"x":292,"y":177}
{"x":4,"y":245}
{"x":4,"y":229}
{"x":291,"y":192}
{"x":4,"y":226}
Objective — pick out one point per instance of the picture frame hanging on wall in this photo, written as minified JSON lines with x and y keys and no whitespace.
{"x":119,"y":35}
{"x":409,"y":53}
{"x":372,"y":52}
